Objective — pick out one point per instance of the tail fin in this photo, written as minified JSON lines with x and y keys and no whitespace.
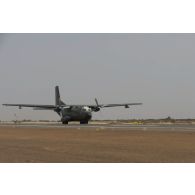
{"x":59,"y":102}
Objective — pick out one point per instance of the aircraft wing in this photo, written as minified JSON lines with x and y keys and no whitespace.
{"x":37,"y":107}
{"x":126,"y":105}
{"x":117,"y":105}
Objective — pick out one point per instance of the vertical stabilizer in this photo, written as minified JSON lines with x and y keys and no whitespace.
{"x":57,"y":97}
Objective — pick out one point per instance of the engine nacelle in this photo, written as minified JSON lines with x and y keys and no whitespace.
{"x":97,"y":109}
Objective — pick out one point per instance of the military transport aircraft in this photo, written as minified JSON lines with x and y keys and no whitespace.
{"x":82,"y":113}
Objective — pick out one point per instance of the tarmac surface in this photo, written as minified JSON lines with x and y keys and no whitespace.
{"x":99,"y":143}
{"x":149,"y":127}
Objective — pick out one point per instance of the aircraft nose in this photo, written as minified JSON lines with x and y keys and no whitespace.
{"x":88,"y":115}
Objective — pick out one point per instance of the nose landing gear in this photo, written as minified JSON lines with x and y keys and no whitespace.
{"x":84,"y":122}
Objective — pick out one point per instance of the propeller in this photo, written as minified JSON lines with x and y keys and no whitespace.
{"x":96,"y":101}
{"x":97,"y":108}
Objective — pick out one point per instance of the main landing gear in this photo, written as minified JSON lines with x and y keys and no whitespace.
{"x":65,"y":122}
{"x":81,"y":122}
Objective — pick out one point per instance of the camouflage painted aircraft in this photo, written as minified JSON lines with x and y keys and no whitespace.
{"x":82,"y":113}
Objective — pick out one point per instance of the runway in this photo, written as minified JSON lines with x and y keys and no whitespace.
{"x":148,"y":127}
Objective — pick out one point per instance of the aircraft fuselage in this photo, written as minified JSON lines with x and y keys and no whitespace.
{"x":76,"y":113}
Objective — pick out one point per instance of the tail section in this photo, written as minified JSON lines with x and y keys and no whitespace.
{"x":59,"y":102}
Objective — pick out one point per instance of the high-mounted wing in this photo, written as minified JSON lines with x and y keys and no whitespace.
{"x":116,"y":105}
{"x":35,"y":106}
{"x":98,"y":106}
{"x":126,"y":105}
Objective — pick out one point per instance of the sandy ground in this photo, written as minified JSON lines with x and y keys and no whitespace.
{"x":91,"y":145}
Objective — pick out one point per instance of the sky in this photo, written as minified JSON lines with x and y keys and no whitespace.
{"x":155,"y":69}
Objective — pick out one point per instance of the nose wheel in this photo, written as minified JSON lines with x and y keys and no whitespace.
{"x":84,"y":122}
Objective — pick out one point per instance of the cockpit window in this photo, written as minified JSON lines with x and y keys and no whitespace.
{"x":86,"y":108}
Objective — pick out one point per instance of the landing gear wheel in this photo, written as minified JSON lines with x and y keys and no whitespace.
{"x":65,"y":122}
{"x":83,"y":122}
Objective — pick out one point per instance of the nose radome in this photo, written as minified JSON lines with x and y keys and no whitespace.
{"x":89,"y":115}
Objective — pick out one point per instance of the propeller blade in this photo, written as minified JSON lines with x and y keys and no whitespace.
{"x":96,"y":102}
